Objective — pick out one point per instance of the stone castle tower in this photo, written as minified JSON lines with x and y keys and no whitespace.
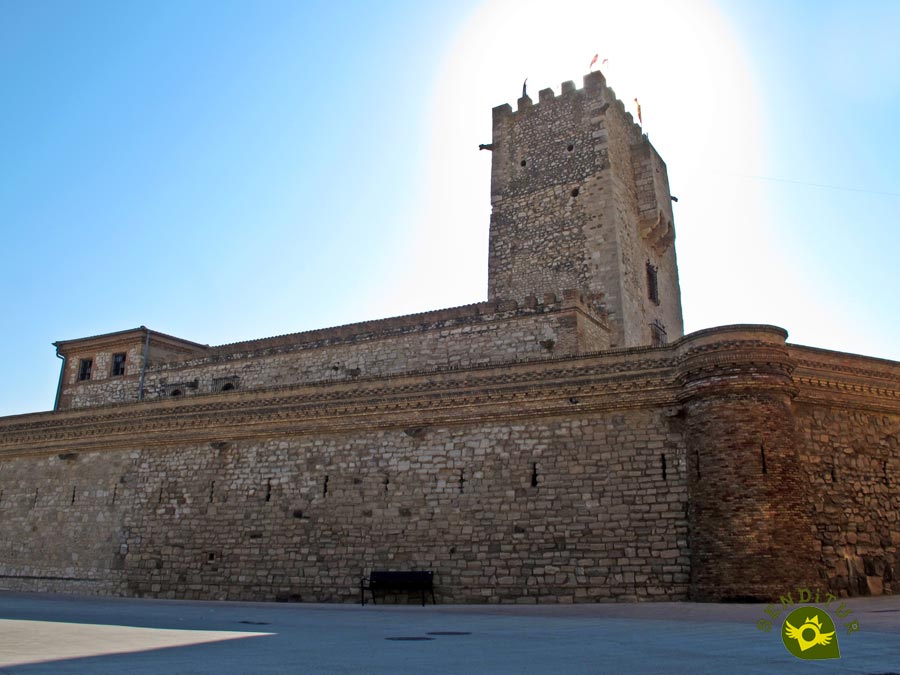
{"x":581,"y":201}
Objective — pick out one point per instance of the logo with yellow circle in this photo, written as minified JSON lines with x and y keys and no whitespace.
{"x":809,"y":633}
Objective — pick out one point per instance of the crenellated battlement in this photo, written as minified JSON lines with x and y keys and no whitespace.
{"x":594,"y":89}
{"x":594,"y":84}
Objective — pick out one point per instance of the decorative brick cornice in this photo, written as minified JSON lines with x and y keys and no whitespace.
{"x":734,"y":360}
{"x":847,"y":380}
{"x":537,"y":389}
{"x":726,"y":361}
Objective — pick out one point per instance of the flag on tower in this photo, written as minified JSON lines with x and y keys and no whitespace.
{"x":594,"y":60}
{"x":640,"y":121}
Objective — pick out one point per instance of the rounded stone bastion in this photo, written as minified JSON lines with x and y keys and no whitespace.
{"x":749,"y":511}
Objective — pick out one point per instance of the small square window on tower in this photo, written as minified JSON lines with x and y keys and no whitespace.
{"x":118,"y":364}
{"x":657,"y":334}
{"x":652,"y":283}
{"x":84,"y":369}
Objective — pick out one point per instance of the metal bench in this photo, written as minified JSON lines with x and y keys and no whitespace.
{"x":381,"y":580}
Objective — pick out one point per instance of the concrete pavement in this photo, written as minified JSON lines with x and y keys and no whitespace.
{"x":64,"y":634}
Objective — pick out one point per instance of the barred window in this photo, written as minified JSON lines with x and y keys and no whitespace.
{"x":84,"y":369}
{"x":657,"y":334}
{"x":227,"y":383}
{"x":118,"y":364}
{"x":176,"y":389}
{"x":652,"y":283}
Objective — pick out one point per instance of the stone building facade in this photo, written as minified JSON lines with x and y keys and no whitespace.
{"x":560,"y":442}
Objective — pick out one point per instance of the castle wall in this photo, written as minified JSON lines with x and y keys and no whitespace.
{"x":461,"y":337}
{"x":750,"y":512}
{"x":852,"y":463}
{"x":725,"y":465}
{"x":60,"y":516}
{"x":848,"y":419}
{"x":457,"y":501}
{"x":542,"y":508}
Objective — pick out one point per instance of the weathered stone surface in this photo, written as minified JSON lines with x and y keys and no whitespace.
{"x":581,"y":200}
{"x":504,"y":445}
{"x":451,"y":338}
{"x":571,"y":478}
{"x":308,"y":515}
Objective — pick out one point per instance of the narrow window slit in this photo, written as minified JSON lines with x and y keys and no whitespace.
{"x":387,"y":481}
{"x":653,"y":283}
{"x":268,"y":489}
{"x":662,"y":464}
{"x":73,"y":494}
{"x":115,"y":492}
{"x":325,"y":486}
{"x":534,"y":475}
{"x":212,"y":488}
{"x":762,"y":456}
{"x":462,"y":481}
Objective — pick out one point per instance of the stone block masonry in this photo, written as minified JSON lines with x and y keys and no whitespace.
{"x":481,"y":479}
{"x":561,"y":442}
{"x":849,"y":439}
{"x":490,"y":332}
{"x":690,"y":470}
{"x":580,"y":199}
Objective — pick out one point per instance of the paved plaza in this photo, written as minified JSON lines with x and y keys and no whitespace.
{"x":63,"y":634}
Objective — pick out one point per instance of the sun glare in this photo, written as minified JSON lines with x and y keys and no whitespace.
{"x":699,"y":109}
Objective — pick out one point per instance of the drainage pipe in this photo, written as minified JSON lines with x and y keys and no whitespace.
{"x":144,"y":364}
{"x":62,"y":372}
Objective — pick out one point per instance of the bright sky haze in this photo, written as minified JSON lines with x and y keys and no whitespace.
{"x":223,"y":171}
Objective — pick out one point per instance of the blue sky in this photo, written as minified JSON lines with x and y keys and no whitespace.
{"x":228,"y":170}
